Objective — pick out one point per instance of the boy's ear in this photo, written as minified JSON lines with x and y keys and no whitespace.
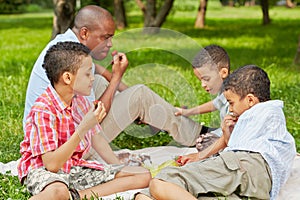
{"x":224,"y":73}
{"x":67,"y":78}
{"x":252,"y":100}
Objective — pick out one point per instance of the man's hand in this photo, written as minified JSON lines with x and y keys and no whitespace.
{"x":119,"y":64}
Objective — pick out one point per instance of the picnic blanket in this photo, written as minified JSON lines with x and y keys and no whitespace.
{"x":159,"y":155}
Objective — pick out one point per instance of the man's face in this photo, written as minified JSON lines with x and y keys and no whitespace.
{"x":99,"y":40}
{"x":236,"y":105}
{"x":211,"y":79}
{"x":84,"y":78}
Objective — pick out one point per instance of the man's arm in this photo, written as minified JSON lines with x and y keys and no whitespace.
{"x":120,"y":64}
{"x":107,"y":75}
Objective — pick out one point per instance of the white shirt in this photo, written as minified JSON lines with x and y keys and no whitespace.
{"x":262,"y":129}
{"x":38,"y":81}
{"x":221,"y":103}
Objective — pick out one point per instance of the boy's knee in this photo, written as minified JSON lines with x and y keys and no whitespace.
{"x":59,"y":190}
{"x":155,"y":185}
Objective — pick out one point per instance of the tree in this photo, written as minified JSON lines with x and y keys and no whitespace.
{"x":200,"y":19}
{"x":152,"y":18}
{"x":64,"y":13}
{"x":265,"y":11}
{"x":119,"y":12}
{"x":297,"y":57}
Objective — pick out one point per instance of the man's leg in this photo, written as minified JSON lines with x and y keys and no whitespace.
{"x":141,"y":102}
{"x":99,"y":86}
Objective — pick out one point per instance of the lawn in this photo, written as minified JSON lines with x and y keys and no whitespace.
{"x":161,"y":62}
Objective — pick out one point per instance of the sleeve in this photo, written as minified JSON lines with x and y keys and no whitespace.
{"x":43,"y":135}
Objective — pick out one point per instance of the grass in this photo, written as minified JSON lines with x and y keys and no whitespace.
{"x":160,"y":62}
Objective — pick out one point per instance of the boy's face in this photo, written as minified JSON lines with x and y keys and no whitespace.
{"x":211,"y":79}
{"x":84,"y":77}
{"x":238,"y":105}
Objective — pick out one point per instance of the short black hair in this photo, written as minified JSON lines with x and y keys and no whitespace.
{"x":62,"y":57}
{"x":212,"y":55}
{"x":249,"y":79}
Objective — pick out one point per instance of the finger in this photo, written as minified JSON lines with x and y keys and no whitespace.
{"x":114,"y":53}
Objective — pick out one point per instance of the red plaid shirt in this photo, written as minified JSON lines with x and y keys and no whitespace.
{"x":50,"y":124}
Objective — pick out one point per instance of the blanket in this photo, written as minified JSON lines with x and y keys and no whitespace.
{"x":156,"y":156}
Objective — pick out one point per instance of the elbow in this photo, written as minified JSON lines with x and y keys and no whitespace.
{"x":52,"y":167}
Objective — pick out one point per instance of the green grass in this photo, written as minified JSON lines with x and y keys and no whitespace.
{"x":158,"y":64}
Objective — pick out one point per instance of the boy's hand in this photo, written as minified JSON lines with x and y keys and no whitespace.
{"x":181,"y":111}
{"x":92,"y":118}
{"x":228,"y":125}
{"x":119,"y":63}
{"x":193,"y":157}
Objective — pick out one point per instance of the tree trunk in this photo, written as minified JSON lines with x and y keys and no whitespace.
{"x":64,"y":13}
{"x":265,"y":11}
{"x":150,"y":13}
{"x":297,"y":57}
{"x":163,"y":13}
{"x":200,"y":19}
{"x":119,"y":11}
{"x":152,"y":18}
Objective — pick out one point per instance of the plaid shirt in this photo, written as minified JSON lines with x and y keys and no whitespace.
{"x":50,"y":123}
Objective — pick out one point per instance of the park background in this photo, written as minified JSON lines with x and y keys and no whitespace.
{"x":239,"y":29}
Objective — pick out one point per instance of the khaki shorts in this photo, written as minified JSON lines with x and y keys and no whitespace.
{"x":79,"y":178}
{"x":243,"y":173}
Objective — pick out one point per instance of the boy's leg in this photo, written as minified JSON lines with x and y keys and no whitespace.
{"x":101,"y":183}
{"x":47,"y":185}
{"x":140,"y":101}
{"x":224,"y":174}
{"x":56,"y":190}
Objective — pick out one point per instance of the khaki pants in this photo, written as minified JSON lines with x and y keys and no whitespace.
{"x":246,"y":174}
{"x":141,"y":102}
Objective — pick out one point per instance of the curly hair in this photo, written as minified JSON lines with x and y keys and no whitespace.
{"x":62,"y":57}
{"x":249,"y":79}
{"x":213,"y":56}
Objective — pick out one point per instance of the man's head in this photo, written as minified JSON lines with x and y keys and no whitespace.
{"x":69,"y":64}
{"x":246,"y":87}
{"x":95,"y":27}
{"x":211,"y":66}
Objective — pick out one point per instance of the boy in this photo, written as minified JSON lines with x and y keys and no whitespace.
{"x":59,"y":129}
{"x":211,"y":66}
{"x":259,"y":152}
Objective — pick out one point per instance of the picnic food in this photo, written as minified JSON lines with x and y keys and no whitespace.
{"x":96,"y":104}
